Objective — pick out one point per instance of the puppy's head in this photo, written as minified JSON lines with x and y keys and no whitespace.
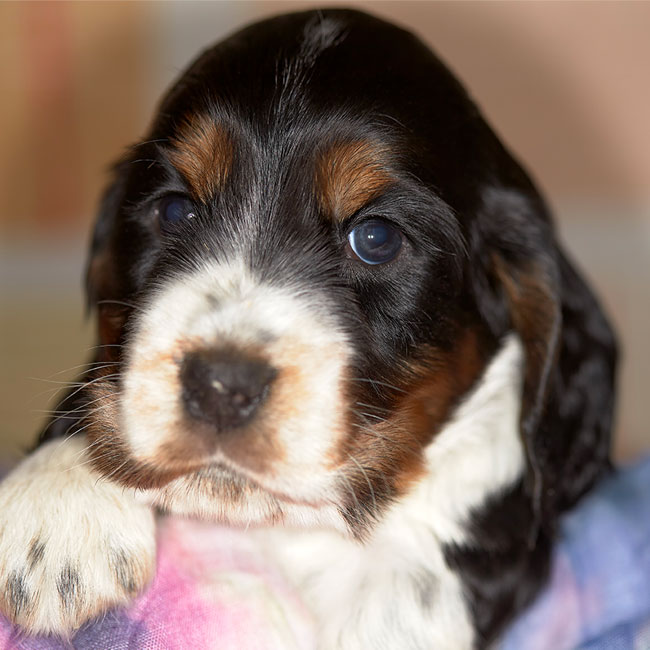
{"x":308,"y":263}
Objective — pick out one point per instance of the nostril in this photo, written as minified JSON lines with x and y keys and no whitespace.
{"x":224,"y":388}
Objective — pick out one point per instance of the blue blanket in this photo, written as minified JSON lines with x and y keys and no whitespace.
{"x":599,"y":594}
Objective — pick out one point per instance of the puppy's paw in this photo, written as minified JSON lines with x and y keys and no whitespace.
{"x":72,"y":545}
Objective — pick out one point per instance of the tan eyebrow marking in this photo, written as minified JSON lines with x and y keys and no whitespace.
{"x":349,"y":174}
{"x":203,"y":153}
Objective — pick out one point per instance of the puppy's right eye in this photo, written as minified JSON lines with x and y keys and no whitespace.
{"x":171,"y":211}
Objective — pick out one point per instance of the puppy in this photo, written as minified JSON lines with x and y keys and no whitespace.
{"x":331,"y":307}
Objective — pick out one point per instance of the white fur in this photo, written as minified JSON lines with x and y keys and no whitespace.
{"x":90,"y":533}
{"x":297,"y":332}
{"x":366,"y":596}
{"x":206,"y":494}
{"x":479,"y":452}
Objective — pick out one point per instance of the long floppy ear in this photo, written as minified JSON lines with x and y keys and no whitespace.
{"x":523,"y":282}
{"x":100,"y":275}
{"x":103,"y":279}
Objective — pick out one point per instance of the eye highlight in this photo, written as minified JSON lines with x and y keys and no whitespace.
{"x":375,"y":242}
{"x":173,"y":210}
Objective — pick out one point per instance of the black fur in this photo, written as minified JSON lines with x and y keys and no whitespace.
{"x":69,"y":586}
{"x":18,"y":594}
{"x":36,"y":553}
{"x":123,"y":571}
{"x":481,"y":254}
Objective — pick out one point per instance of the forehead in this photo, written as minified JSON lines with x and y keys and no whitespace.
{"x":345,"y":172}
{"x":293,"y":97}
{"x":344,"y":97}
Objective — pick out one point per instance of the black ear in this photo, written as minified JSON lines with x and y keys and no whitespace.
{"x":573,"y":437}
{"x":524,"y":283}
{"x":103,"y":280}
{"x":99,"y":272}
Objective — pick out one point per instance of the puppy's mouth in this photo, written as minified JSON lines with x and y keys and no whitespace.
{"x":253,"y":380}
{"x":248,"y":401}
{"x":227,"y":429}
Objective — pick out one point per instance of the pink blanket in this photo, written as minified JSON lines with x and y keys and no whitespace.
{"x":213,"y":589}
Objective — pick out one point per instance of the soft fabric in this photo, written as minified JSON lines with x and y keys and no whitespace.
{"x":214,"y":589}
{"x":599,"y":594}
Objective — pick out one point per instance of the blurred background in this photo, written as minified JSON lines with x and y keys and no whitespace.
{"x":566,"y":85}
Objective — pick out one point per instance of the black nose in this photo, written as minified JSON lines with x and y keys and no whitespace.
{"x":223,"y":387}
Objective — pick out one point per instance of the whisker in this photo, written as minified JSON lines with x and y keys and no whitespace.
{"x":54,"y":381}
{"x":90,"y":459}
{"x":365,"y":475}
{"x":377,"y":382}
{"x":67,"y":438}
{"x":79,"y":430}
{"x":104,"y":345}
{"x":371,"y":415}
{"x":62,"y":414}
{"x":351,"y":492}
{"x":86,"y":462}
{"x":90,"y":382}
{"x":96,"y":409}
{"x":69,"y":384}
{"x":393,"y":443}
{"x":115,"y":471}
{"x":146,"y":142}
{"x":49,"y":391}
{"x":152,"y":161}
{"x":123,"y":303}
{"x":92,"y":365}
{"x":372,"y":406}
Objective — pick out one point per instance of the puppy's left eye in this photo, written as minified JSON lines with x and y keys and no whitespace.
{"x":173,"y":210}
{"x":375,"y":242}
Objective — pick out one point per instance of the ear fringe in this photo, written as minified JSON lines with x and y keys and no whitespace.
{"x":535,"y":311}
{"x":523,"y":282}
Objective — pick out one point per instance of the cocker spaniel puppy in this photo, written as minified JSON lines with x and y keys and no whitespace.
{"x":331,"y":308}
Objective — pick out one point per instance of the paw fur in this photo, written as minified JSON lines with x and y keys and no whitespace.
{"x":72,"y":545}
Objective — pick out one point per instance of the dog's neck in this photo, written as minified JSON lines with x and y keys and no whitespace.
{"x":477,"y":454}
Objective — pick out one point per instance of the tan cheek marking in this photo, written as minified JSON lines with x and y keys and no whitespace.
{"x":109,"y":452}
{"x":203,"y":153}
{"x":288,"y":392}
{"x":350,"y":174}
{"x":394,"y":448}
{"x":188,"y":444}
{"x":182,"y":445}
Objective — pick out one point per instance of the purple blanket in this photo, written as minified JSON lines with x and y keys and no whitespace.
{"x":214,"y":589}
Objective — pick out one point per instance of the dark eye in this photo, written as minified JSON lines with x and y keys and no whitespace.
{"x":173,"y":210}
{"x":375,"y":242}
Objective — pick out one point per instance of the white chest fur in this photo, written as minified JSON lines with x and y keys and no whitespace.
{"x":396,"y":590}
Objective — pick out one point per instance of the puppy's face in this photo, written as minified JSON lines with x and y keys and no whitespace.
{"x":290,"y":273}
